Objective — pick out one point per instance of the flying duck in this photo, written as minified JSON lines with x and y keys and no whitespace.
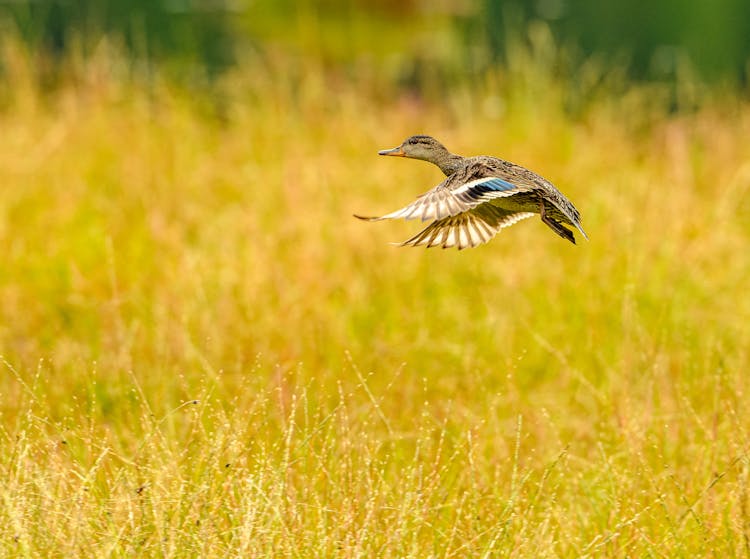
{"x":479,"y":196}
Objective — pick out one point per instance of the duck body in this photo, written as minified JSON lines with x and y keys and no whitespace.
{"x":479,"y":196}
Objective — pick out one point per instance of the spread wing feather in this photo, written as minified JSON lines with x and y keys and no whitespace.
{"x":468,"y":229}
{"x":440,"y":203}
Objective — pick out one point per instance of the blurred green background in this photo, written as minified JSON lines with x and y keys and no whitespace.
{"x":416,"y":40}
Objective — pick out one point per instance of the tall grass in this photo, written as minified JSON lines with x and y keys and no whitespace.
{"x":204,"y":354}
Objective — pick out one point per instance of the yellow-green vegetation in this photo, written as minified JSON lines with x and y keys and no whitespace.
{"x":204,"y":354}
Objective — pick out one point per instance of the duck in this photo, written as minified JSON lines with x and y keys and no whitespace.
{"x":479,"y":196}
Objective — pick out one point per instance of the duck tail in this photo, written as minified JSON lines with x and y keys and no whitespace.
{"x":559,"y":228}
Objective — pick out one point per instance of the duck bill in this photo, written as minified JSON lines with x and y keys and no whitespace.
{"x":398,"y":152}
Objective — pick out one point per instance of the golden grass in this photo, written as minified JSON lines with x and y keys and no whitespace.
{"x":203,"y":354}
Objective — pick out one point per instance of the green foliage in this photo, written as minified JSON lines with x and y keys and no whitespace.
{"x":659,"y":40}
{"x":671,"y":40}
{"x":181,"y":33}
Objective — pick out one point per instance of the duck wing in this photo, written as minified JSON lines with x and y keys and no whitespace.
{"x":469,"y":229}
{"x":559,"y":208}
{"x":449,"y":199}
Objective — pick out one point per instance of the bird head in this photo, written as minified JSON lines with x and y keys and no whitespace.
{"x":426,"y":148}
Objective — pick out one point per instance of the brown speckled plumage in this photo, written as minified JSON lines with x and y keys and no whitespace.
{"x":479,"y":196}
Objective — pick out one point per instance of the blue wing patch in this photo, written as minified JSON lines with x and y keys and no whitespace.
{"x":482,"y":187}
{"x":480,"y":190}
{"x":496,"y":184}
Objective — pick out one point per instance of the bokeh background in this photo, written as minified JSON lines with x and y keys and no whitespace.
{"x":654,"y":40}
{"x":459,"y":39}
{"x":203,"y":354}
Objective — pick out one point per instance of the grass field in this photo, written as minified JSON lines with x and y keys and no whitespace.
{"x":204,"y":354}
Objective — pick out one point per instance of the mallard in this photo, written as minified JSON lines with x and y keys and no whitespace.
{"x":479,"y":196}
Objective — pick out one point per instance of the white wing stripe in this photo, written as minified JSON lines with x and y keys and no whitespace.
{"x":471,"y":185}
{"x":442,"y":203}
